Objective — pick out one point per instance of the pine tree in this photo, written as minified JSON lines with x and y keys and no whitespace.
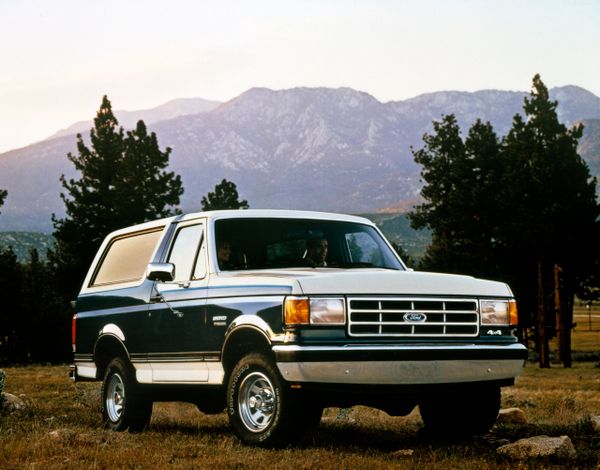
{"x":458,"y":209}
{"x":225,"y":196}
{"x":522,"y":210}
{"x":41,"y":306}
{"x":11,"y":346}
{"x":122,"y":182}
{"x":553,"y":207}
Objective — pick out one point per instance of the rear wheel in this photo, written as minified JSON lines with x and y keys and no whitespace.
{"x":123,"y":406}
{"x":461,"y":413}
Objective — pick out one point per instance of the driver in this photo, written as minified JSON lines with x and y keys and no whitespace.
{"x":316,"y":251}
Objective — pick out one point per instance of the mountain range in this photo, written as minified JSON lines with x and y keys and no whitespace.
{"x":302,"y":148}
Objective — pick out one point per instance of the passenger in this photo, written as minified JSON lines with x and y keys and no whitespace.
{"x":224,"y":254}
{"x":316,"y":251}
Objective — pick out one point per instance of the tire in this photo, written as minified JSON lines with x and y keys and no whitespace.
{"x":123,"y":406}
{"x":262,"y":409}
{"x":466,"y":413}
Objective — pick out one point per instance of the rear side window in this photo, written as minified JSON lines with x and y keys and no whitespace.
{"x":126,"y":258}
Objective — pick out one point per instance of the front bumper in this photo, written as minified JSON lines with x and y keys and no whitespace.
{"x":400,"y":365}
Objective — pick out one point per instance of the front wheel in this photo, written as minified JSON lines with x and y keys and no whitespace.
{"x":123,"y":407}
{"x":261,"y":407}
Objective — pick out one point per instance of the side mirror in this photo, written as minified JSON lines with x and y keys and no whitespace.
{"x":163,"y":272}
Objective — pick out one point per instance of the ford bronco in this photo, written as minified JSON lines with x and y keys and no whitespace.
{"x":274,"y":315}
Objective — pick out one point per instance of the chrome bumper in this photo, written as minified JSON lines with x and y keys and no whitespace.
{"x":399,"y":365}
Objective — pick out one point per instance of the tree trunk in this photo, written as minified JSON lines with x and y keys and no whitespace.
{"x":567,"y":298}
{"x":544,"y":351}
{"x":560,"y":327}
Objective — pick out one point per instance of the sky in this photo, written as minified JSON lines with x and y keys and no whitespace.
{"x":58,"y":58}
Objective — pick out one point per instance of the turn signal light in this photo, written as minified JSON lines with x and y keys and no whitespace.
{"x":297,"y":311}
{"x":513,"y":314}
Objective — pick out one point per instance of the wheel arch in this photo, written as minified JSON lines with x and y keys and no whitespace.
{"x":241,"y":341}
{"x":107,"y":347}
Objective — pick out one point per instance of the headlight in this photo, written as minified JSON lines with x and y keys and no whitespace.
{"x":327,"y":311}
{"x":316,"y":311}
{"x":499,"y":312}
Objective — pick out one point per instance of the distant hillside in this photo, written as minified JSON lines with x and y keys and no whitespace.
{"x":129,"y":119}
{"x":327,"y":149}
{"x":589,"y":145}
{"x":23,"y":242}
{"x":395,"y":227}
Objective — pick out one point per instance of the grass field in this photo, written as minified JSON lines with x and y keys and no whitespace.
{"x":62,"y":429}
{"x":586,"y":336}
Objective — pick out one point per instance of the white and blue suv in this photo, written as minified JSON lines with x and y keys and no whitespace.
{"x":274,"y":315}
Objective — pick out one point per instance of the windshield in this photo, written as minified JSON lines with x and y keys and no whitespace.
{"x":287,"y":243}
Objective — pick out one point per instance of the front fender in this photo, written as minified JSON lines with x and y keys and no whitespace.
{"x":250,"y":321}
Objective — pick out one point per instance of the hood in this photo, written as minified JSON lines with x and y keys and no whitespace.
{"x":381,"y":281}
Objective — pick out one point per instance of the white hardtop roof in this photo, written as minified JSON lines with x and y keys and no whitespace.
{"x":244,"y":214}
{"x":274,"y":213}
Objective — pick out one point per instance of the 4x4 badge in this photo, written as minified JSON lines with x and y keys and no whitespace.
{"x":415,"y":317}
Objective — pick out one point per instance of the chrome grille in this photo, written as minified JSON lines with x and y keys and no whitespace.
{"x":413,"y":317}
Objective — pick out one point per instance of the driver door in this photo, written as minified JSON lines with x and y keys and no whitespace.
{"x":178,"y":314}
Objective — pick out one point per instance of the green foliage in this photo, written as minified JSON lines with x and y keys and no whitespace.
{"x":225,"y":196}
{"x":10,"y":284}
{"x":23,"y":242}
{"x":3,"y":194}
{"x":589,"y":145}
{"x":122,"y":182}
{"x":462,"y":180}
{"x":34,"y":320}
{"x":408,"y":261}
{"x":501,"y":209}
{"x":397,"y":229}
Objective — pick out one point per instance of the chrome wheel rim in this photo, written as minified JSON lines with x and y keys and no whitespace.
{"x":256,"y":402}
{"x":115,"y":397}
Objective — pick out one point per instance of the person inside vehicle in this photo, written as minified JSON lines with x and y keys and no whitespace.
{"x":224,"y":254}
{"x":316,"y":251}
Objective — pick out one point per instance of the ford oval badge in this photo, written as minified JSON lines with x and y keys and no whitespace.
{"x":415,"y":317}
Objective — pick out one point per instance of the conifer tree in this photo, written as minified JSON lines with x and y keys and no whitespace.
{"x":225,"y":196}
{"x":457,"y":208}
{"x":522,"y":210}
{"x":122,"y":182}
{"x":553,"y":208}
{"x":10,"y":283}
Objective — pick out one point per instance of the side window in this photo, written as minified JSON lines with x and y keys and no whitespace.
{"x":200,"y":268}
{"x":184,"y":252}
{"x":126,"y":258}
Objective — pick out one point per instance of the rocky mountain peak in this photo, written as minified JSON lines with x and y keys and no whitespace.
{"x":334,"y":149}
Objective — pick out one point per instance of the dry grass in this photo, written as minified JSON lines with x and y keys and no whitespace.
{"x":61,"y":429}
{"x":586,"y":335}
